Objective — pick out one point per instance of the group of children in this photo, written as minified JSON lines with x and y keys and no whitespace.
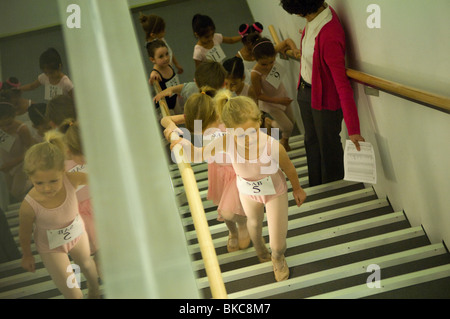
{"x":42,"y":161}
{"x":233,"y":98}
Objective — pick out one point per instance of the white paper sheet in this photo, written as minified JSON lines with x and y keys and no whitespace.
{"x":360,"y":166}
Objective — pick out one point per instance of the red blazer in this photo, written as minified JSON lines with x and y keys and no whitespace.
{"x":331,"y":88}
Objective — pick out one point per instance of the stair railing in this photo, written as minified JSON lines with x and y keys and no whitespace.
{"x":441,"y":103}
{"x":207,"y":249}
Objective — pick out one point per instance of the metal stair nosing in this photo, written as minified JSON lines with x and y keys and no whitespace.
{"x":329,"y":275}
{"x":310,"y":220}
{"x":316,"y":255}
{"x":317,"y":236}
{"x":389,"y":284}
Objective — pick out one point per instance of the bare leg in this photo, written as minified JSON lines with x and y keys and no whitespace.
{"x":277,"y":221}
{"x":255,"y":217}
{"x":81,"y":256}
{"x":57,"y":265}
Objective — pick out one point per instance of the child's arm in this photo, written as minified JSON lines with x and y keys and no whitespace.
{"x":289,"y":169}
{"x":154,"y":76}
{"x":232,"y":40}
{"x":288,"y":44}
{"x":26,"y":220}
{"x":177,"y":65}
{"x":168,"y":92}
{"x":30,"y":86}
{"x":170,"y":124}
{"x":256,"y":84}
{"x":200,"y":154}
{"x":77,"y":178}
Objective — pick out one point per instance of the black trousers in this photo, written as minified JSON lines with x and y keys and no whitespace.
{"x":325,"y":155}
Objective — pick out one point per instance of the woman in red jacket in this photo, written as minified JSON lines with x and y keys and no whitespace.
{"x":324,"y":95}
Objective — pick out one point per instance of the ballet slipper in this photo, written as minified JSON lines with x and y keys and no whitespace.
{"x":280,"y":269}
{"x":233,"y":243}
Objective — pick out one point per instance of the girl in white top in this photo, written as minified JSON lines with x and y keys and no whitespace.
{"x":208,"y":44}
{"x":54,"y":80}
{"x":249,"y":34}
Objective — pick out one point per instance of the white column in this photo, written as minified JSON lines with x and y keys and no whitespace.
{"x":142,"y":245}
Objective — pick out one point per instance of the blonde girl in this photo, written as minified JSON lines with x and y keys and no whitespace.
{"x":51,"y":207}
{"x":222,"y":190}
{"x":259,"y":162}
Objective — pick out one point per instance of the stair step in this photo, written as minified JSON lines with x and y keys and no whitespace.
{"x":312,"y":256}
{"x":390,"y":284}
{"x":329,"y":275}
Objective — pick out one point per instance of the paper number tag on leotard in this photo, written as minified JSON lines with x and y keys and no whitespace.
{"x":216,"y":54}
{"x":263,"y":186}
{"x":173,"y":82}
{"x":51,"y":91}
{"x":275,"y":75}
{"x":58,"y":237}
{"x":6,"y":141}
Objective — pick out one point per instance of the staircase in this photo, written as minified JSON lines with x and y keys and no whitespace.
{"x":334,"y":240}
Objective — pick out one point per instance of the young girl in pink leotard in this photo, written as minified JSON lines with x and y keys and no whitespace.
{"x":257,"y":159}
{"x":52,"y":207}
{"x":222,"y":190}
{"x":76,"y":162}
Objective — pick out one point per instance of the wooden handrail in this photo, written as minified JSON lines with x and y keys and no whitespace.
{"x":441,"y":103}
{"x":207,"y":249}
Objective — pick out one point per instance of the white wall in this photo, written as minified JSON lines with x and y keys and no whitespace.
{"x":411,"y":141}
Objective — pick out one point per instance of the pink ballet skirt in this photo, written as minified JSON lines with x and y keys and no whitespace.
{"x":222,"y":189}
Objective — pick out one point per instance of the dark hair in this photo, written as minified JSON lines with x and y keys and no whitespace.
{"x":60,"y":108}
{"x":234,"y":67}
{"x":263,"y":48}
{"x":301,"y":7}
{"x":7,"y":110}
{"x":153,"y":45}
{"x":202,"y":24}
{"x":50,"y":59}
{"x":152,"y":24}
{"x":36,"y":113}
{"x":245,"y":30}
{"x":9,"y":88}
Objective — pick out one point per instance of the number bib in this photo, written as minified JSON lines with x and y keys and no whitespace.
{"x":51,"y":91}
{"x":262,"y":187}
{"x":216,"y":54}
{"x":275,"y":75}
{"x":6,"y":141}
{"x":58,"y":237}
{"x":173,"y":82}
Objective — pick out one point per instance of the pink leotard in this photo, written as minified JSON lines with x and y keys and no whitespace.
{"x":251,"y":170}
{"x":54,"y":218}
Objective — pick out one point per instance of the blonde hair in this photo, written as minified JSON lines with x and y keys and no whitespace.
{"x":237,"y":110}
{"x":46,"y":155}
{"x":200,"y":106}
{"x":72,"y":137}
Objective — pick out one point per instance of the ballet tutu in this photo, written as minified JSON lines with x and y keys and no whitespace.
{"x":222,"y":189}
